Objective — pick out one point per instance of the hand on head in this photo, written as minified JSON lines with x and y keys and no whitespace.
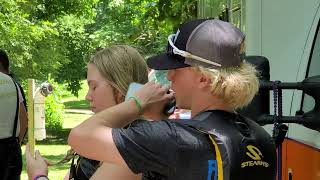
{"x":156,"y":111}
{"x":152,"y":93}
{"x":35,"y":165}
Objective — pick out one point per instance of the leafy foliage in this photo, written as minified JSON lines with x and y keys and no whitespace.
{"x":142,"y":23}
{"x":77,"y":46}
{"x":55,"y":37}
{"x":54,"y":108}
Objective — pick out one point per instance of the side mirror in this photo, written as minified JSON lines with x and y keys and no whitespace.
{"x":311,"y":86}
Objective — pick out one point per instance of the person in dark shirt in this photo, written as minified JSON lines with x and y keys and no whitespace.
{"x":210,"y":76}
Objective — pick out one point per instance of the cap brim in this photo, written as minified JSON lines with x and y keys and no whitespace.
{"x":165,"y":62}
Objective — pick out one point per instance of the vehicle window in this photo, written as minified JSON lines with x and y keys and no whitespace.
{"x":313,"y":70}
{"x":227,"y":10}
{"x":211,"y":9}
{"x":238,"y":14}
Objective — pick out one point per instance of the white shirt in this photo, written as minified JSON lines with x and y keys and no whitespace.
{"x":8,"y":105}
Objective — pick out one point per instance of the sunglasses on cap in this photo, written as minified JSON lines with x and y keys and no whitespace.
{"x":172,"y":49}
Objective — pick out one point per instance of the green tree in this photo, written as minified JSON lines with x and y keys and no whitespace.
{"x":56,"y":37}
{"x":143,"y":23}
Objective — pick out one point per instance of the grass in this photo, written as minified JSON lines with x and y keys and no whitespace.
{"x":72,"y":119}
{"x":82,"y":104}
{"x":55,"y":147}
{"x":72,"y":102}
{"x":53,"y":153}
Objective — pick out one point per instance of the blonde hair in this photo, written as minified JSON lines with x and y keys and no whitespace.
{"x":121,"y":65}
{"x":236,"y":86}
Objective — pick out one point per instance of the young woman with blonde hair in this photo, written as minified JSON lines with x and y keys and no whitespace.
{"x":109,"y":73}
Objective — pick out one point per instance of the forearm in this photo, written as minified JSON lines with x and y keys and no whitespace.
{"x":93,"y":137}
{"x":114,"y":117}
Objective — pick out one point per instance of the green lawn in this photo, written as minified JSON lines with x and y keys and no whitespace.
{"x":55,"y":147}
{"x":82,"y":104}
{"x":73,"y":119}
{"x":72,"y":102}
{"x":53,"y":153}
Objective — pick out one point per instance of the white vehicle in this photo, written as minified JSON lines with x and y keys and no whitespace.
{"x":287,"y":32}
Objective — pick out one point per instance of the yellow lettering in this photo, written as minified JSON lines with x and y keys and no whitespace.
{"x":254,"y":163}
{"x":254,"y":153}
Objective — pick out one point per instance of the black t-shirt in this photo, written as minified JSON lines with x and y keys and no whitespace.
{"x":164,"y":149}
{"x":85,"y":168}
{"x":170,"y":150}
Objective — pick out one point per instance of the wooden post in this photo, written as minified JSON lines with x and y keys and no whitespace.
{"x":31,"y":140}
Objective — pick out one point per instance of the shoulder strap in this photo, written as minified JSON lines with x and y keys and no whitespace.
{"x":196,"y":124}
{"x":17,"y":112}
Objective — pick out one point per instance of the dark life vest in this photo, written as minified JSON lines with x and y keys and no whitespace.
{"x":243,"y":149}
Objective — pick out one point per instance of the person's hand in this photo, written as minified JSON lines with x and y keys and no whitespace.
{"x":152,"y":93}
{"x":35,"y":166}
{"x":155,"y":111}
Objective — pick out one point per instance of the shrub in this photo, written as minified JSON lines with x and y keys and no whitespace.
{"x":54,"y":108}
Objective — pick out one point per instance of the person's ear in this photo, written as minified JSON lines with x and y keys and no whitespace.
{"x":204,"y":81}
{"x":119,"y":97}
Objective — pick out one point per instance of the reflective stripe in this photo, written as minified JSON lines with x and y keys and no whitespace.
{"x":218,"y":158}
